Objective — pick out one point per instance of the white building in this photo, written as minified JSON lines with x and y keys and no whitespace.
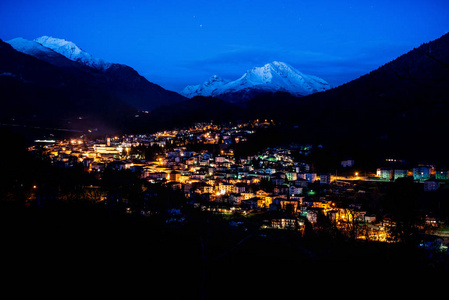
{"x":399,"y":173}
{"x":295,"y":190}
{"x":309,"y":177}
{"x":385,"y":173}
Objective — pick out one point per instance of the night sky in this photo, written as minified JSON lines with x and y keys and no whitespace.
{"x":176,"y":43}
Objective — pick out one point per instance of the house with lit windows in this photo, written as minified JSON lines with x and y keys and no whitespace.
{"x":421,"y":173}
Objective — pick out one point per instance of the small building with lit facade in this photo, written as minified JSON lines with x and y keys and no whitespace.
{"x":174,"y":176}
{"x":220,"y":159}
{"x":325,"y":179}
{"x":400,"y":173}
{"x":370,"y":218}
{"x":291,"y":176}
{"x":284,"y":223}
{"x":295,"y":190}
{"x":266,"y":197}
{"x":442,"y":174}
{"x":225,"y":188}
{"x":421,"y":173}
{"x":385,"y":173}
{"x":309,"y":177}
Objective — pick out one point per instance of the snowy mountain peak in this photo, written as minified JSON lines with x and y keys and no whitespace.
{"x":272,"y":77}
{"x":72,"y":52}
{"x":37,"y":50}
{"x":214,"y":80}
{"x":208,"y":88}
{"x":26,"y":46}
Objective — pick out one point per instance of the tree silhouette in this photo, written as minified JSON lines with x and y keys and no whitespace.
{"x":401,"y":201}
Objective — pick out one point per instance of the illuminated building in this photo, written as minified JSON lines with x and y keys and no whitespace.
{"x":225,"y":188}
{"x":309,"y":177}
{"x":421,"y":173}
{"x":385,"y":173}
{"x":284,"y":223}
{"x":442,"y":174}
{"x":295,"y":190}
{"x":370,"y":218}
{"x":291,"y":176}
{"x":399,"y":173}
{"x":325,"y":179}
{"x":174,"y":176}
{"x":105,"y":150}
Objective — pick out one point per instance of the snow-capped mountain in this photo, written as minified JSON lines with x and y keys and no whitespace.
{"x":41,"y":52}
{"x":272,"y":77}
{"x":119,"y":80}
{"x":208,"y":88}
{"x":72,"y":52}
{"x":30,"y":47}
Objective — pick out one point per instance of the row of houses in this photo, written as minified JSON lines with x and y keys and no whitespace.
{"x":429,"y":176}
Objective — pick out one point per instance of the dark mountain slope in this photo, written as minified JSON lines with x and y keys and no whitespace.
{"x":400,"y":109}
{"x":127,"y":84}
{"x":118,"y":80}
{"x":36,"y":93}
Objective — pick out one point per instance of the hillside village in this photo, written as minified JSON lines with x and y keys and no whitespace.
{"x":278,"y":184}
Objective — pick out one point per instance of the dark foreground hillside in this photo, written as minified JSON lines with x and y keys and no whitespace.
{"x":81,"y":247}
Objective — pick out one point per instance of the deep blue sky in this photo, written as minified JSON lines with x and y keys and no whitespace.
{"x":175,"y":43}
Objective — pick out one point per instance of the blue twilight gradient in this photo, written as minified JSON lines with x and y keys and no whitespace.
{"x":175,"y":43}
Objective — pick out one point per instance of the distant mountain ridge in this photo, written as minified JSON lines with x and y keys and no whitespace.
{"x":119,"y":80}
{"x":48,"y":55}
{"x":72,"y":52}
{"x":273,"y":77}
